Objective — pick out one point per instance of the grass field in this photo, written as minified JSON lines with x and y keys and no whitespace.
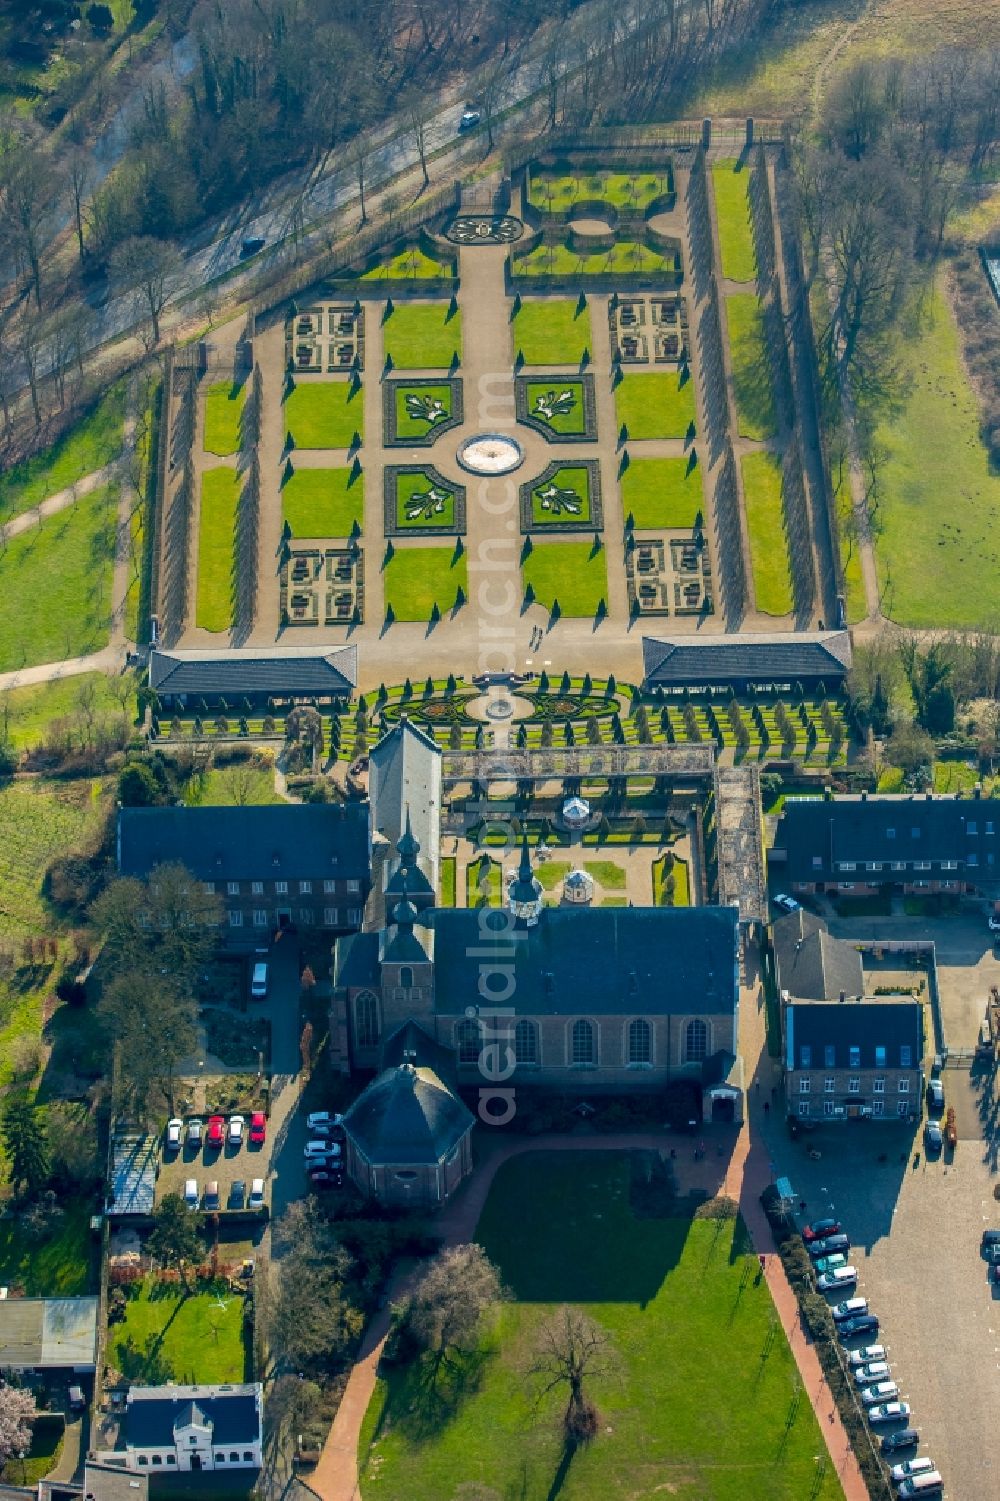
{"x":93,"y":442}
{"x":659,"y":405}
{"x":224,"y":403}
{"x":731,"y":183}
{"x":412,"y":264}
{"x":325,"y":414}
{"x":706,"y":1404}
{"x":418,"y":578}
{"x":63,"y":1265}
{"x":570,"y":572}
{"x":937,"y":561}
{"x":483,"y":883}
{"x":762,"y":488}
{"x":220,"y":494}
{"x":662,"y":492}
{"x":27,"y":712}
{"x":571,"y":478}
{"x":409,"y":486}
{"x":562,"y":259}
{"x":751,"y":366}
{"x":557,"y":191}
{"x":548,"y":392}
{"x":551,"y":331}
{"x":419,"y":427}
{"x":422,"y":335}
{"x":55,"y":584}
{"x":172,"y":1336}
{"x":38,"y":820}
{"x":239,"y":785}
{"x":323,"y":502}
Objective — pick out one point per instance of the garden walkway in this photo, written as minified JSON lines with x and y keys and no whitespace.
{"x":61,"y":501}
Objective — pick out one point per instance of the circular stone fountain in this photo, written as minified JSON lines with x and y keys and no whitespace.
{"x":490,"y":454}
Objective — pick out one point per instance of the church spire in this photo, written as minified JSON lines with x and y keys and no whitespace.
{"x":408,"y":847}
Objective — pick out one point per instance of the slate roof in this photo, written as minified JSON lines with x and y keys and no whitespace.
{"x":812,"y":964}
{"x":310,"y":840}
{"x":687,"y":661}
{"x":888,"y":831}
{"x":152,"y":1413}
{"x":280,"y":672}
{"x":404,"y":776}
{"x":407,"y":1115}
{"x":356,"y":960}
{"x":51,"y":1333}
{"x":411,"y":1044}
{"x":611,"y":961}
{"x":865,"y":1024}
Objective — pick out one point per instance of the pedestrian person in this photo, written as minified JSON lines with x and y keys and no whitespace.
{"x":767,"y":1108}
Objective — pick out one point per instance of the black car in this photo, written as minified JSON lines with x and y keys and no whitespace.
{"x":864,"y":1323}
{"x":990,"y":1238}
{"x":903,"y":1438}
{"x":829,"y":1245}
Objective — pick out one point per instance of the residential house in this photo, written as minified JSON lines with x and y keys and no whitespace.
{"x":854,"y":1059}
{"x":177,"y":1428}
{"x":812,"y":965}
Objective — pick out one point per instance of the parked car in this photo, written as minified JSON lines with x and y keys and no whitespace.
{"x":851,"y":1308}
{"x":237,"y":1194}
{"x":322,"y":1148}
{"x":832,"y":1282}
{"x":876,"y":1370}
{"x":785,"y":902}
{"x":862,"y":1323}
{"x":327,"y":1177}
{"x":993,"y":922}
{"x":236,"y":1124}
{"x":212,"y":1194}
{"x":879,"y":1394}
{"x":173,"y":1134}
{"x":910,"y":1467}
{"x":819,"y":1229}
{"x":191,"y":1193}
{"x":992,"y":1254}
{"x":990,"y":1238}
{"x":933,"y":1140}
{"x":318,"y":1120}
{"x":194,"y":1131}
{"x":216,"y":1128}
{"x":888,"y":1412}
{"x":258,"y":1127}
{"x":930,"y":1484}
{"x":256,"y":1200}
{"x":470,"y":119}
{"x":935,"y":1095}
{"x":827,"y":1264}
{"x":903,"y":1438}
{"x":258,"y":982}
{"x":829,"y":1244}
{"x":865,"y":1354}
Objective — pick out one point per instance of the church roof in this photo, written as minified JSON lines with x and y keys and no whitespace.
{"x":407,"y":1116}
{"x":404,"y":790}
{"x":411,"y":1044}
{"x":525,"y":889}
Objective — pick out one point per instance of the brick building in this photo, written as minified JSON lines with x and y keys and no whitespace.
{"x":853,"y":1059}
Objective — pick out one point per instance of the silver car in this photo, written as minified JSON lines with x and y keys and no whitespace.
{"x":878,"y":1370}
{"x":881,"y":1392}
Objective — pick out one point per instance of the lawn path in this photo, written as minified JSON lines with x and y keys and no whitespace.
{"x":61,"y":501}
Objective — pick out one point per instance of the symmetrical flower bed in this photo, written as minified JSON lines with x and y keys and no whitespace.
{"x":563,"y":498}
{"x":561,"y":408}
{"x":420,"y":502}
{"x":416,"y":412}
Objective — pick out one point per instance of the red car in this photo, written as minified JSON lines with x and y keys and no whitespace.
{"x":216,"y":1130}
{"x":258,"y":1127}
{"x":821,"y":1229}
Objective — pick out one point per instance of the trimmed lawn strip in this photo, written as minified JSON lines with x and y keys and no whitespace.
{"x":413,"y":264}
{"x":555,"y":192}
{"x":658,"y":405}
{"x":224,"y":403}
{"x":418,"y":578}
{"x":421,"y":335}
{"x":662,"y":493}
{"x":570,"y":572}
{"x":188,"y":1336}
{"x":323,"y":502}
{"x":772,"y":579}
{"x":731,"y":185}
{"x":94,"y":441}
{"x":220,"y":494}
{"x":449,"y":875}
{"x":325,"y":413}
{"x":680,"y":896}
{"x":483,"y":883}
{"x":55,"y":584}
{"x":628,"y":256}
{"x":551,"y":331}
{"x":751,"y":367}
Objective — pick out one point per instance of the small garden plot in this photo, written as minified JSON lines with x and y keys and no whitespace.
{"x":169,"y":1334}
{"x":562,"y":498}
{"x":323,"y":502}
{"x":558,"y":406}
{"x":411,"y":264}
{"x":657,"y":405}
{"x":484,"y":883}
{"x":607,"y":873}
{"x":552,"y":331}
{"x":422,"y":410}
{"x":325,"y":413}
{"x":670,"y":882}
{"x":93,"y":442}
{"x":423,"y":335}
{"x":731,"y":183}
{"x":418,"y":578}
{"x":573,"y":575}
{"x":663,"y":493}
{"x":626,"y":257}
{"x":762,"y":491}
{"x":423,"y":500}
{"x":751,"y":367}
{"x":556,"y":193}
{"x":220,"y":496}
{"x":224,"y":403}
{"x":59,"y":1264}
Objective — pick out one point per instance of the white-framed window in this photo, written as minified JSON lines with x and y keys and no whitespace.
{"x":921,"y":865}
{"x":803,"y":1107}
{"x":640,"y":1041}
{"x":329,"y":887}
{"x":878,"y":1086}
{"x":899,"y":864}
{"x":305,"y":915}
{"x":259,"y":917}
{"x":805,"y":1086}
{"x":525,"y":1042}
{"x":878,"y":1107}
{"x":828,"y":1107}
{"x":468,"y":1040}
{"x":828,"y":1085}
{"x":854,"y":1085}
{"x":354,"y":887}
{"x":583,"y":1043}
{"x":305,"y":888}
{"x":233,"y":888}
{"x":949,"y":864}
{"x":331,"y":917}
{"x":847,"y":865}
{"x":281,"y":887}
{"x":208,"y":887}
{"x":904,"y":1086}
{"x":903,"y":1108}
{"x":257,"y":888}
{"x":354,"y":915}
{"x":235,"y":917}
{"x":695,"y":1041}
{"x":874,"y":864}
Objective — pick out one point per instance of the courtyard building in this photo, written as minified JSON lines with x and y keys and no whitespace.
{"x":747,"y":663}
{"x":812,"y":965}
{"x":190,"y":1428}
{"x":258,"y":679}
{"x":853,"y":1059}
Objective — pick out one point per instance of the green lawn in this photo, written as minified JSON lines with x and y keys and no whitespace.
{"x":325,"y":413}
{"x":938,"y":547}
{"x":224,"y":403}
{"x":418,"y":578}
{"x":559,"y":258}
{"x":323,"y":502}
{"x":548,"y":507}
{"x":731,"y":183}
{"x":556,"y":192}
{"x":94,"y":441}
{"x":417,"y":506}
{"x":955,"y":776}
{"x":55,"y":584}
{"x":422,"y":335}
{"x":662,"y":493}
{"x":169,"y":1336}
{"x":706,"y":1404}
{"x":27,"y":712}
{"x":546,"y":398}
{"x":681,"y":895}
{"x":552,"y":873}
{"x":60,"y":1266}
{"x":412,"y":264}
{"x":751,"y":366}
{"x":409,"y":426}
{"x":762,"y":489}
{"x":608,"y":872}
{"x":658,"y":405}
{"x":239,"y":785}
{"x":570,"y":572}
{"x":220,"y":494}
{"x":483,"y":883}
{"x":551,"y":331}
{"x":449,"y":873}
{"x":38,"y":820}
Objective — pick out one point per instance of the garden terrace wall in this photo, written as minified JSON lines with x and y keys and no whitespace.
{"x":729,"y":543}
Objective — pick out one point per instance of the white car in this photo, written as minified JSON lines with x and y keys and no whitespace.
{"x":889,"y":1412}
{"x":322,"y":1120}
{"x":256,"y":1199}
{"x":236,"y":1124}
{"x":174,"y":1133}
{"x":832,"y":1282}
{"x":910,"y":1468}
{"x":993,"y":922}
{"x":785,"y":902}
{"x":882,"y":1391}
{"x":865,"y":1354}
{"x":321,"y":1149}
{"x":191,"y":1194}
{"x":470,"y":119}
{"x":877,"y":1370}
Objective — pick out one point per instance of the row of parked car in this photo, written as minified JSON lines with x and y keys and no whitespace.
{"x":215,"y":1132}
{"x":878,"y":1393}
{"x":324,"y":1149}
{"x":210,"y":1200}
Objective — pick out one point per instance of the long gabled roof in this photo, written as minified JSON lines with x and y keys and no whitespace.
{"x":862,"y":1024}
{"x":407,"y":1115}
{"x":898,"y":836}
{"x":269,"y":843}
{"x":812,"y":964}
{"x":687,"y":661}
{"x":153,"y":1412}
{"x":305,"y":671}
{"x":404,"y":779}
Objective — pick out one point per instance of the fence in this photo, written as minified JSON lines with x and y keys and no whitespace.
{"x":919,"y":948}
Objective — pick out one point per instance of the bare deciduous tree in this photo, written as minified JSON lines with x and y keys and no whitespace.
{"x":446,"y":1309}
{"x":144,"y":267}
{"x":571,"y":1349}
